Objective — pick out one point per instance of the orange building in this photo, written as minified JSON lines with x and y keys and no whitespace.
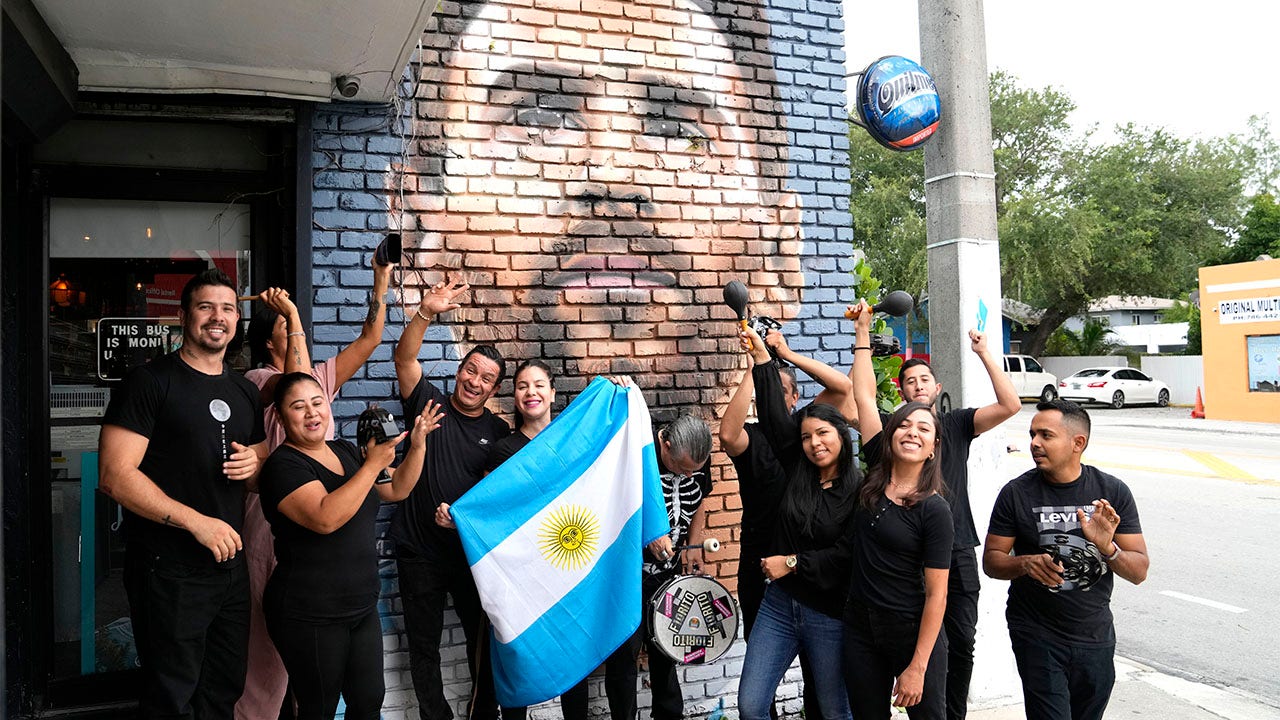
{"x":1240,"y":322}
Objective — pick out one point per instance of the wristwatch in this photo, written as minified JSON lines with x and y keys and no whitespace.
{"x":791,"y":561}
{"x":1115,"y":552}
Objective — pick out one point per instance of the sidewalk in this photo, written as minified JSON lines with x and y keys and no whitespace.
{"x":1142,"y":692}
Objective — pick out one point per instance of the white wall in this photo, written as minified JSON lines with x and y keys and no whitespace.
{"x":1068,"y":365}
{"x":1182,"y":373}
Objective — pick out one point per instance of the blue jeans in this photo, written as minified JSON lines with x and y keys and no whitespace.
{"x":783,"y":627}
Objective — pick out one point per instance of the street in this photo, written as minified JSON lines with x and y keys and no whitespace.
{"x":1209,"y":497}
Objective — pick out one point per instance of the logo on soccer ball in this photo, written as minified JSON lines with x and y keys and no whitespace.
{"x":897,"y":103}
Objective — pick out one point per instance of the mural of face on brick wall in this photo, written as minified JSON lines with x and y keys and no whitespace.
{"x":600,"y":169}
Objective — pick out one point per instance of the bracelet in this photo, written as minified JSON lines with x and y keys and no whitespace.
{"x":297,"y":334}
{"x":424,"y":317}
{"x":1113,"y":555}
{"x":856,"y":348}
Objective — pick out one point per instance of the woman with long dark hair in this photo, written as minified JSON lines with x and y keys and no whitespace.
{"x":901,"y":556}
{"x":321,"y":602}
{"x":805,"y":572}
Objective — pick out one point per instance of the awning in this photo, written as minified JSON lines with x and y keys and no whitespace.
{"x":282,"y":48}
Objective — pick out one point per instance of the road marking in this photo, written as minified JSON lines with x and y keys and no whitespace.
{"x":1217,"y":464}
{"x":1103,"y":463}
{"x":1202,"y":601}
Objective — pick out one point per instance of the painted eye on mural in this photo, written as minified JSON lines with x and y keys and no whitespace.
{"x":668,"y":128}
{"x":549,"y":119}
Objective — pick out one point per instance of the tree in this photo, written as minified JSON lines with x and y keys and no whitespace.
{"x":1261,"y":233}
{"x":1030,"y":130}
{"x":1138,"y":216}
{"x":1193,"y":332}
{"x":887,"y":204}
{"x":1078,"y":219}
{"x":1094,"y":338}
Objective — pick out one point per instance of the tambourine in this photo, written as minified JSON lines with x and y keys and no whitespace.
{"x":1082,"y":563}
{"x":693,"y":619}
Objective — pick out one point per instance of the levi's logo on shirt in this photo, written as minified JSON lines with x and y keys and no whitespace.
{"x":1059,"y":517}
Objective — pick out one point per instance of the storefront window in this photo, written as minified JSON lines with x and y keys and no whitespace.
{"x":1264,"y":362}
{"x":117,"y":269}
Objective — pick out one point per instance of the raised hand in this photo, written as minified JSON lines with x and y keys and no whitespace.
{"x":426,"y":422}
{"x":750,"y":342}
{"x":977,"y":342}
{"x":278,"y":299}
{"x":776,"y":341}
{"x":443,"y":296}
{"x":860,"y":314}
{"x":1100,"y":527}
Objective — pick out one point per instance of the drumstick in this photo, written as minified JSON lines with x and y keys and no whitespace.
{"x":709,"y":545}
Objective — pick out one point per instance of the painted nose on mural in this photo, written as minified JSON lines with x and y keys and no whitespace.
{"x":611,"y":241}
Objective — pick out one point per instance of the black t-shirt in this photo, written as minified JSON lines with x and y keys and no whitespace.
{"x":504,"y":449}
{"x":1039,"y":514}
{"x":819,"y":541}
{"x":683,"y":495}
{"x":761,"y":481}
{"x":318,"y":576}
{"x":190,"y":420}
{"x":457,"y":453}
{"x":893,"y":545}
{"x":957,"y":434}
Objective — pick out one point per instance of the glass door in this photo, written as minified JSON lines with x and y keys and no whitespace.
{"x":117,"y":269}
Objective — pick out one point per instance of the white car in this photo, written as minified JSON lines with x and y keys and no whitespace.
{"x":1114,"y":386}
{"x":1029,"y":378}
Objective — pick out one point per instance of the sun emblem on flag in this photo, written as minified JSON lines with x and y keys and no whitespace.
{"x":569,"y":537}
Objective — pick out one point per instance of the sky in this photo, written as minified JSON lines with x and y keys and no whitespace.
{"x":1199,"y":70}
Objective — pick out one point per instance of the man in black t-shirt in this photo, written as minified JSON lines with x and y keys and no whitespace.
{"x":429,"y":557}
{"x":684,"y":463}
{"x":1061,"y":532}
{"x":180,"y":440}
{"x":958,"y":428}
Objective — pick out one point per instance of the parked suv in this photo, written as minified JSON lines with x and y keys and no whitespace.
{"x":1029,"y":378}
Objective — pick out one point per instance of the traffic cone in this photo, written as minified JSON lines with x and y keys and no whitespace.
{"x":1198,"y":410}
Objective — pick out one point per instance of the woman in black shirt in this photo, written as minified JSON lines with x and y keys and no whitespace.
{"x":901,"y":556}
{"x":805,"y":572}
{"x":321,"y":601}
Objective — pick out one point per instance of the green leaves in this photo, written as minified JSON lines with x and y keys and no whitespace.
{"x":867,"y":287}
{"x":1080,"y":219}
{"x":1261,"y":232}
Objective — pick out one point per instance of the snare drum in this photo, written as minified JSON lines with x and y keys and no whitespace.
{"x":693,"y":619}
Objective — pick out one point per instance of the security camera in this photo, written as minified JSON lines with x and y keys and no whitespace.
{"x":347,"y":86}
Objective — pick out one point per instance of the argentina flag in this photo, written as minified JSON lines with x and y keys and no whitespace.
{"x":554,"y":537}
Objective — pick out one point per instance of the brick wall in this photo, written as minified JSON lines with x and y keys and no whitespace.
{"x":598,"y":170}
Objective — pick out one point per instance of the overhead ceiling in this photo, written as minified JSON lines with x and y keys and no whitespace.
{"x":282,"y":48}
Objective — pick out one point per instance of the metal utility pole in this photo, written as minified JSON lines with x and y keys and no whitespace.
{"x":960,"y":201}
